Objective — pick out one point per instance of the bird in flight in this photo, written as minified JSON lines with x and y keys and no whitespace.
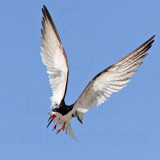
{"x":98,"y":90}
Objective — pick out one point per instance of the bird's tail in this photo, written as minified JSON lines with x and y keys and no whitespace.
{"x":68,"y":130}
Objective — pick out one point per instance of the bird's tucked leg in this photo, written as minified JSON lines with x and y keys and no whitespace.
{"x":56,"y":123}
{"x":61,"y":127}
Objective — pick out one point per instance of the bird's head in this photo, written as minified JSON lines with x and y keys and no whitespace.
{"x":55,"y":113}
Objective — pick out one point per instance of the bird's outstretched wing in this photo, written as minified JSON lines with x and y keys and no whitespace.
{"x":54,"y":57}
{"x":112,"y":79}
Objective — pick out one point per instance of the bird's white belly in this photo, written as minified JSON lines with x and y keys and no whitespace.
{"x":67,"y":117}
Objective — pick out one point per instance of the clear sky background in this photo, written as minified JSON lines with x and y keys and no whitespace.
{"x":95,"y":34}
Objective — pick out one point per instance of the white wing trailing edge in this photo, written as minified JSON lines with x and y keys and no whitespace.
{"x":54,"y":57}
{"x":112,"y":79}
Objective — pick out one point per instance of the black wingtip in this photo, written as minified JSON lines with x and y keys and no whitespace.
{"x":151,"y":39}
{"x":47,"y":16}
{"x":46,"y":12}
{"x":153,"y":36}
{"x":44,"y":8}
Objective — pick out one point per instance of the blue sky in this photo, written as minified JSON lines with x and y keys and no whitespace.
{"x":95,"y":34}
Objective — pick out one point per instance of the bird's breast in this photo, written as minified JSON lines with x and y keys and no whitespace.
{"x":67,"y":117}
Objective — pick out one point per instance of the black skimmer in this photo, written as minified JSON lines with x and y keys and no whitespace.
{"x":99,"y":89}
